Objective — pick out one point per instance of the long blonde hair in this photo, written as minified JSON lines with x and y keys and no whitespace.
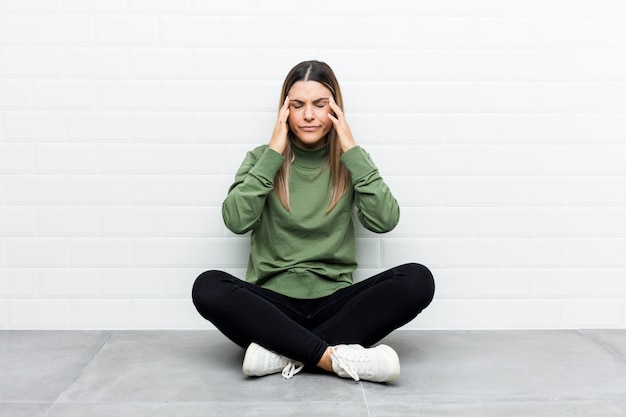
{"x":340,"y":178}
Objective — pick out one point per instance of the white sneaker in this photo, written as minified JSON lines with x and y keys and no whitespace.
{"x":377,"y":364}
{"x":259,"y":361}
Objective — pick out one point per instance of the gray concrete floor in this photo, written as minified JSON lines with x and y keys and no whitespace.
{"x":198,"y":373}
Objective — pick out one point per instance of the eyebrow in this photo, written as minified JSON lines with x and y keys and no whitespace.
{"x":316,"y":101}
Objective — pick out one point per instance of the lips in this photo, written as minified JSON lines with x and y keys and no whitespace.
{"x":309,"y":128}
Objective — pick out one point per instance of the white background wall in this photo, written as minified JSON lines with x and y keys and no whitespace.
{"x":500,"y":126}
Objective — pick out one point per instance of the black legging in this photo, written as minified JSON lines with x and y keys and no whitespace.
{"x":301,"y":329}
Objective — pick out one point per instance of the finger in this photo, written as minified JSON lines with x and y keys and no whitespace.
{"x":335,"y":107}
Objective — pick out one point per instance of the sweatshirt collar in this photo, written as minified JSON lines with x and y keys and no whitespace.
{"x":310,"y":158}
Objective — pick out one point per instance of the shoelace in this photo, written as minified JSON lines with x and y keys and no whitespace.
{"x":291,"y":369}
{"x":348,"y":364}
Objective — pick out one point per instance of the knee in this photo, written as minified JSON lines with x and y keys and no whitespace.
{"x":206,"y":286}
{"x":420,"y":282}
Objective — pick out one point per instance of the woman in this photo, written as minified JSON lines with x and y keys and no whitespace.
{"x":298,"y":306}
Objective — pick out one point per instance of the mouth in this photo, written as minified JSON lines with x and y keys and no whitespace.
{"x":309,"y":128}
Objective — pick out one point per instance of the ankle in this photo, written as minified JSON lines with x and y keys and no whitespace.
{"x":325,"y":362}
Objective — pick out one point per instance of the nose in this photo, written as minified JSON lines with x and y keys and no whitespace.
{"x":308,"y":112}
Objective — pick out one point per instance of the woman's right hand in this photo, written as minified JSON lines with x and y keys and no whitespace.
{"x":279,"y":136}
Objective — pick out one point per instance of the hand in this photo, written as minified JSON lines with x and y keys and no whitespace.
{"x":279,"y":136}
{"x":346,"y":140}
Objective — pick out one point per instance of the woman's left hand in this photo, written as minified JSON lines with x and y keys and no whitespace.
{"x":346,"y":140}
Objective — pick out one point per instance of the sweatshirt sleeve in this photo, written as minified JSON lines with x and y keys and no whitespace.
{"x":246,"y":197}
{"x":377,"y":209}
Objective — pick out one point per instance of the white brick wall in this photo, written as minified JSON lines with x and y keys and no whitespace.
{"x":499,"y":125}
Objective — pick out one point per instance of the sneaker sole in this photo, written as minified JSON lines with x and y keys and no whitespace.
{"x":247,"y":359}
{"x":393,"y":360}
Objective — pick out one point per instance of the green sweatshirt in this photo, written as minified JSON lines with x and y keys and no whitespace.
{"x":305,"y":253}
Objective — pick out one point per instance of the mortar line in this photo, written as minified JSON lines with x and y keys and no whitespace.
{"x":79,"y":374}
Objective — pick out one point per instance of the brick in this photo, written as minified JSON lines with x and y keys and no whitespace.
{"x":192,"y":95}
{"x":67,"y":221}
{"x":234,"y":63}
{"x":192,"y":221}
{"x":567,"y":222}
{"x":473,"y":191}
{"x":69,"y":283}
{"x":19,"y":283}
{"x":609,"y":222}
{"x":67,"y":158}
{"x":129,"y":221}
{"x":221,"y":253}
{"x":505,"y":160}
{"x":14,"y":29}
{"x":64,"y":94}
{"x":473,"y":65}
{"x":39,"y":6}
{"x":534,"y":253}
{"x":161,"y":63}
{"x":162,"y":190}
{"x":15,"y":94}
{"x":535,"y":191}
{"x":36,"y":189}
{"x":473,"y":252}
{"x":99,"y":190}
{"x":163,"y":252}
{"x":177,"y":282}
{"x":595,"y":252}
{"x":33,"y":62}
{"x":417,"y":191}
{"x":98,"y":126}
{"x":610,"y":283}
{"x":190,"y":30}
{"x":130,"y":158}
{"x":30,"y":126}
{"x":469,"y":314}
{"x":125,"y":283}
{"x":398,"y":251}
{"x":561,"y":283}
{"x":589,"y":314}
{"x":506,"y":129}
{"x":126,"y":30}
{"x":442,"y":222}
{"x":396,"y":160}
{"x":37,"y":252}
{"x":154,"y":126}
{"x":81,"y":6}
{"x":101,"y":314}
{"x":533,"y":314}
{"x":234,"y":127}
{"x":610,"y":159}
{"x":166,"y":314}
{"x":390,"y":128}
{"x":15,"y":158}
{"x":128,"y":94}
{"x":100,"y":62}
{"x":368,"y":252}
{"x":159,"y":6}
{"x":566,"y":160}
{"x":211,"y":190}
{"x":503,"y":222}
{"x":506,"y":283}
{"x":596,"y":129}
{"x":39,"y":314}
{"x":453,"y":283}
{"x":62,"y":30}
{"x":596,"y":191}
{"x":101,"y":252}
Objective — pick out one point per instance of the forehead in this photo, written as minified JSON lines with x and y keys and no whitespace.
{"x":311,"y":90}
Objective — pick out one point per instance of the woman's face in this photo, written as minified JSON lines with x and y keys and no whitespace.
{"x":308,"y":113}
